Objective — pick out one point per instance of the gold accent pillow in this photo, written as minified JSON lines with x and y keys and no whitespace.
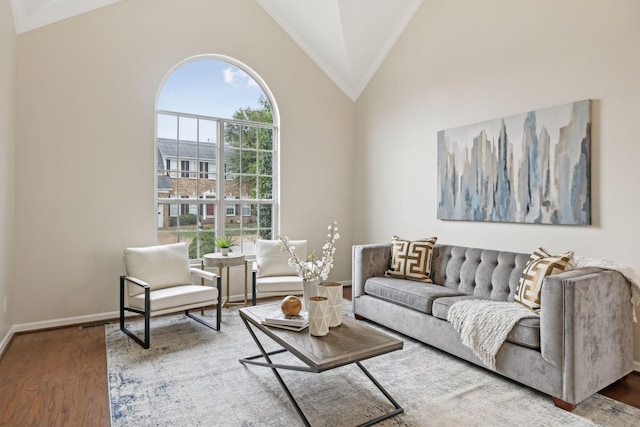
{"x":540,"y":265}
{"x":411,"y":259}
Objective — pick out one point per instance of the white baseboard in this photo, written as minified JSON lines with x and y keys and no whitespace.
{"x":67,"y":321}
{"x":6,"y":339}
{"x":636,"y":366}
{"x":56,"y":323}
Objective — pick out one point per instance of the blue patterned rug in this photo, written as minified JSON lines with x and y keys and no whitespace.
{"x":191,"y":377}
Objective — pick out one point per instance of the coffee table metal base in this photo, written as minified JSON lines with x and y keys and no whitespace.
{"x":275,"y":366}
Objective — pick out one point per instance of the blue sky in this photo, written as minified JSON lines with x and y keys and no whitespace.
{"x":206,"y":87}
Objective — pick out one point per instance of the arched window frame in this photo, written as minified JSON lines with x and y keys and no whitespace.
{"x":227,"y":209}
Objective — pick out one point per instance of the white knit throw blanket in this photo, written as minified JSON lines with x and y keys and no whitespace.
{"x":484,"y":325}
{"x":628,"y":273}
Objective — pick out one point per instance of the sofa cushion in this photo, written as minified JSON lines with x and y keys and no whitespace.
{"x":414,"y":295}
{"x":411,"y":259}
{"x":540,"y":265}
{"x":484,"y":273}
{"x":526,"y":332}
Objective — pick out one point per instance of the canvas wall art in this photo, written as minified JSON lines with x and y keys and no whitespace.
{"x":532,"y":167}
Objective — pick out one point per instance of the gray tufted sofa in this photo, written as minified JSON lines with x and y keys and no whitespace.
{"x":581,"y":342}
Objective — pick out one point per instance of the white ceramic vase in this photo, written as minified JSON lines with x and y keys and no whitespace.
{"x":318,"y":316}
{"x":309,"y":289}
{"x":333,"y":292}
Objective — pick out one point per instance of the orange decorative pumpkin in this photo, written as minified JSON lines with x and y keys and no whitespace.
{"x":291,"y":305}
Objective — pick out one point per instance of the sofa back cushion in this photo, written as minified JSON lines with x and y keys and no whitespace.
{"x":483,"y":273}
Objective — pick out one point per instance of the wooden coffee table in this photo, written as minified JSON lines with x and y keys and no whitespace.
{"x":351,"y":342}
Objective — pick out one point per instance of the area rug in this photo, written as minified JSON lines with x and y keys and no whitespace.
{"x":191,"y":377}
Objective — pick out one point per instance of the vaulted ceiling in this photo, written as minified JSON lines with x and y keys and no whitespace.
{"x":348,"y":39}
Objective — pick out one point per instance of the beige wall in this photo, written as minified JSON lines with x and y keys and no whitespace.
{"x":87,"y":89}
{"x":7,"y":145}
{"x":461,"y":62}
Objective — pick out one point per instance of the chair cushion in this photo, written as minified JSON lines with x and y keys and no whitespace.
{"x":279,"y":284}
{"x":272,"y":260}
{"x":159,"y":266}
{"x":416,"y":295}
{"x":411,"y":259}
{"x":526,"y":332}
{"x":177,"y":296}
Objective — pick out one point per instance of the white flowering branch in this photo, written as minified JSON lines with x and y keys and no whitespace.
{"x":313,"y":268}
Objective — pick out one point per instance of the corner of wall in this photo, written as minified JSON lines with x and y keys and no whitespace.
{"x":8,"y":83}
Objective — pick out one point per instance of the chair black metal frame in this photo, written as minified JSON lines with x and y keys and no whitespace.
{"x":147,"y":310}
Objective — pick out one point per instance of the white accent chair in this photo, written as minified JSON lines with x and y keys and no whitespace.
{"x":160,"y":280}
{"x":273,"y":275}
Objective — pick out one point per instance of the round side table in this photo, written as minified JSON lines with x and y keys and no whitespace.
{"x":227,"y":261}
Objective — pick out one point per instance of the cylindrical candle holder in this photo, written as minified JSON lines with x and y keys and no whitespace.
{"x":333,"y":292}
{"x":318,"y":325}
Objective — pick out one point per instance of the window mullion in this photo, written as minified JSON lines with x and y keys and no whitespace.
{"x":220,"y":207}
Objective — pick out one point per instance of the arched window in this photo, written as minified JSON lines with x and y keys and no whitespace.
{"x":216,"y":141}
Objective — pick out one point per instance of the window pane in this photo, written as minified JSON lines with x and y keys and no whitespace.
{"x":208,"y":131}
{"x":231,"y":135}
{"x":265,"y":187}
{"x":265,"y":137}
{"x":249,"y":187}
{"x":248,"y":161}
{"x":167,"y":126}
{"x":249,"y":136}
{"x":232,"y":160}
{"x":188,"y":129}
{"x":265,"y":163}
{"x":265,"y":221}
{"x":165,"y":238}
{"x":203,"y":243}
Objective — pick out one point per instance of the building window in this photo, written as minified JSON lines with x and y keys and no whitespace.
{"x":205,"y":173}
{"x":207,"y":158}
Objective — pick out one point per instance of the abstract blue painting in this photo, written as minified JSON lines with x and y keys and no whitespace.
{"x":532,"y":167}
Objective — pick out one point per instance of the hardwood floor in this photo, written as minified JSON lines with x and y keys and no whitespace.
{"x":627,"y":391}
{"x":58,"y":377}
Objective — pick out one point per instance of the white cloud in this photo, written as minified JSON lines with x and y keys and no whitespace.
{"x":237,"y":77}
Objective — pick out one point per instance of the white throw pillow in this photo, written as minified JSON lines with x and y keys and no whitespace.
{"x":273,"y":260}
{"x":159,"y":266}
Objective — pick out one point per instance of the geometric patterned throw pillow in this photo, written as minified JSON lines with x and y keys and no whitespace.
{"x":540,"y":265}
{"x":411,"y":259}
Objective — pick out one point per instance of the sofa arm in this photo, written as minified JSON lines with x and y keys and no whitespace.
{"x":368,"y":261}
{"x":586,"y":329}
